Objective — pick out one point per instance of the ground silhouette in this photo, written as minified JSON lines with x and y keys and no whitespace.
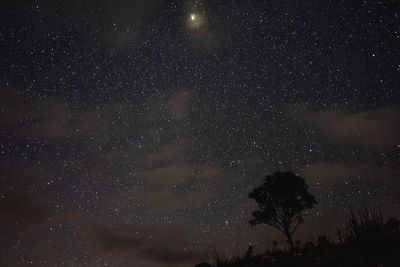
{"x":365,"y":240}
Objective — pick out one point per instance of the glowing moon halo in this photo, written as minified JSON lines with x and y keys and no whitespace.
{"x":195,"y":21}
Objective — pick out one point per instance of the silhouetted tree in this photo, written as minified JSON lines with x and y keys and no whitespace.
{"x":282,"y":200}
{"x":249,"y":252}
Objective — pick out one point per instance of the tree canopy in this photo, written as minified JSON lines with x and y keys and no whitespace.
{"x":282,"y":200}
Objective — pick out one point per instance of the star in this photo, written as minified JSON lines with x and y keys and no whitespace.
{"x":176,"y":112}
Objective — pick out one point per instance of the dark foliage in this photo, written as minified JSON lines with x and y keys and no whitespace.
{"x":366,"y":241}
{"x":365,"y":224}
{"x":204,"y":264}
{"x":282,"y":200}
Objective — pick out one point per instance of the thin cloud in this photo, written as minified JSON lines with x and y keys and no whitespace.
{"x":169,"y":151}
{"x":23,"y":213}
{"x":328,"y":172}
{"x":167,"y":175}
{"x":165,"y":245}
{"x":160,"y":195}
{"x":179,"y":104}
{"x":373,"y":129}
{"x":165,"y":200}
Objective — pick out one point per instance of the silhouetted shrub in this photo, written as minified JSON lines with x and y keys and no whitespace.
{"x":366,"y":223}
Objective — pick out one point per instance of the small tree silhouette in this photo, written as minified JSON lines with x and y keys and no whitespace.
{"x":282,"y":200}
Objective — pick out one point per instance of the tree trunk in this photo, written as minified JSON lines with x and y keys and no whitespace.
{"x":289,"y":240}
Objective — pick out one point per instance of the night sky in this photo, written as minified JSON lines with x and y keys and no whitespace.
{"x":131,"y":132}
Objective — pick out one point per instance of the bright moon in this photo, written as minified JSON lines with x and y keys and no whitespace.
{"x":195,"y":21}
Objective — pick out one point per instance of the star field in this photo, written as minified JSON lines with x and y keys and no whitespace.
{"x":131,"y":132}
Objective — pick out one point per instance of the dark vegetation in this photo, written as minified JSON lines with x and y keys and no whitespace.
{"x":365,"y":240}
{"x":282,"y":200}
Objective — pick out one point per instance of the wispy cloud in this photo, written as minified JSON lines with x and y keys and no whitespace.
{"x":169,"y":245}
{"x":373,"y":129}
{"x":163,"y":181}
{"x":23,"y":213}
{"x":169,"y":151}
{"x":167,"y":175}
{"x":328,"y":172}
{"x":179,"y":104}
